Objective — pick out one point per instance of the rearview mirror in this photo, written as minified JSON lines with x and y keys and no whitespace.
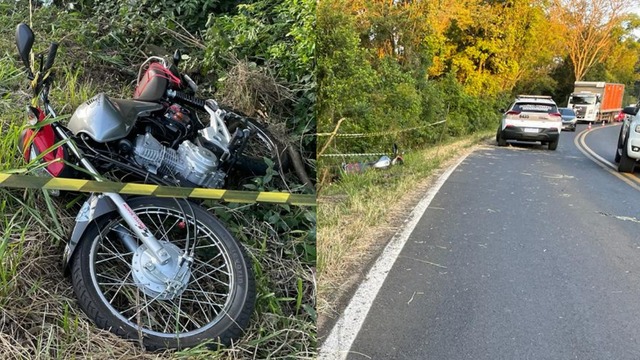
{"x":177,"y":56}
{"x":630,"y":110}
{"x":24,"y":41}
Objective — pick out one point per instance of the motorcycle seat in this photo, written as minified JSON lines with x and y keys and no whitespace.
{"x":132,"y":109}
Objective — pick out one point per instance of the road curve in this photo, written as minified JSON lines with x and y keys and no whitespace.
{"x":524,"y":253}
{"x":599,"y":145}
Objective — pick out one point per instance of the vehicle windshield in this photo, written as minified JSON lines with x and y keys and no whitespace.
{"x":535,"y":107}
{"x":566,"y":111}
{"x":582,"y":99}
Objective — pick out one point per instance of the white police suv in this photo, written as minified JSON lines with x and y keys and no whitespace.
{"x":531,"y":118}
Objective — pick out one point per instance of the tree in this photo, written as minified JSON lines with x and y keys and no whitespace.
{"x":589,"y":28}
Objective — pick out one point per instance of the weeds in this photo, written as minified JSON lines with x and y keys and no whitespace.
{"x":360,"y":212}
{"x":39,"y":317}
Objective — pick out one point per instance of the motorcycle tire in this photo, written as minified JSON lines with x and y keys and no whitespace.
{"x":262,"y":144}
{"x":212,"y":303}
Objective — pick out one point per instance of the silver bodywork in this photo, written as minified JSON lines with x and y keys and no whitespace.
{"x":105,"y":119}
{"x":93,"y":208}
{"x":631,"y":129}
{"x":382,"y":163}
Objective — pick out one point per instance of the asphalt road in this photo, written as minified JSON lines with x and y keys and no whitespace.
{"x":524,"y":253}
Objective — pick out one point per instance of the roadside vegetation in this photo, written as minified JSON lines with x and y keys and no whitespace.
{"x":393,"y":69}
{"x":360,"y":213}
{"x":256,"y":57}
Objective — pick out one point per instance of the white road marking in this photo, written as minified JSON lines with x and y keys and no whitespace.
{"x":581,"y":144}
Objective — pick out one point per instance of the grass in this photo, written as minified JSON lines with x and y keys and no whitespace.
{"x":39,"y":316}
{"x":360,"y":212}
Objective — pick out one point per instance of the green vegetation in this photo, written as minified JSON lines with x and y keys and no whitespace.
{"x":102,"y":43}
{"x":385,"y":66}
{"x":394,"y":68}
{"x":358,"y":214}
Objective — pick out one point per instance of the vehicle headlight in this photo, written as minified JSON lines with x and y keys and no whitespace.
{"x":637,"y":129}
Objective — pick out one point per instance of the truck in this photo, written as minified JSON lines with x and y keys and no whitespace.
{"x":596,"y":100}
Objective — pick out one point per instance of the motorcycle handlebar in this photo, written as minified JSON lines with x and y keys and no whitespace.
{"x":187,"y":99}
{"x":53,"y":49}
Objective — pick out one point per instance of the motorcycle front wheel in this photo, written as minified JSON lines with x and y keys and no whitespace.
{"x":166,"y":306}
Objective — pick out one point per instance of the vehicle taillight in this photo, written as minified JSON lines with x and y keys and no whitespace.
{"x":512,"y":112}
{"x":556,"y":115}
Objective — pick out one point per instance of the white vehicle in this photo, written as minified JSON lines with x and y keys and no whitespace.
{"x":531,"y":118}
{"x":628,"y":151}
{"x":596,"y":100}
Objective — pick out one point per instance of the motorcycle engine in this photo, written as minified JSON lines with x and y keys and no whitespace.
{"x":191,"y":163}
{"x":171,"y":127}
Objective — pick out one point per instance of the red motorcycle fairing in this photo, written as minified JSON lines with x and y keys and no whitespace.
{"x":34,"y":142}
{"x":154,"y":83}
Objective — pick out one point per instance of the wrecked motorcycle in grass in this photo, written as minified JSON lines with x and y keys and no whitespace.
{"x":384,"y":162}
{"x":160,"y":270}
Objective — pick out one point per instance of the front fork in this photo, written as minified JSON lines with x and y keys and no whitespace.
{"x":139,"y":228}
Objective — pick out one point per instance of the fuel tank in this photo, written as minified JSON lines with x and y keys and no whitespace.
{"x":105,"y":119}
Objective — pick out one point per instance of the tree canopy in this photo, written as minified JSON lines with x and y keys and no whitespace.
{"x":390,"y":64}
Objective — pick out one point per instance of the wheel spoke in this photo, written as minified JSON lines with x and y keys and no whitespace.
{"x":213,"y":268}
{"x":119,"y":287}
{"x":198,"y":305}
{"x":208,"y":275}
{"x":206,"y":296}
{"x":114,"y":253}
{"x":205,"y":293}
{"x":163,"y":231}
{"x":146,"y":305}
{"x":115,"y":256}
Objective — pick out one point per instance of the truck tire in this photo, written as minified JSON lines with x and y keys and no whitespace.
{"x":626,"y":164}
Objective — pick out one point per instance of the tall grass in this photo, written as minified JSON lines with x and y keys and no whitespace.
{"x":39,"y":316}
{"x":358,"y":213}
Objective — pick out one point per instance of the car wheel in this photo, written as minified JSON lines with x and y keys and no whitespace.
{"x":501,"y":141}
{"x":573,"y":128}
{"x":553,"y":145}
{"x":619,"y":148}
{"x":626,"y":163}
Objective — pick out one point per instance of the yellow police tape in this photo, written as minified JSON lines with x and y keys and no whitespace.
{"x":379,"y":133}
{"x":46,"y":183}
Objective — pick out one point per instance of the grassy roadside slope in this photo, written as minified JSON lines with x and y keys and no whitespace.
{"x":360,"y":213}
{"x":39,"y":317}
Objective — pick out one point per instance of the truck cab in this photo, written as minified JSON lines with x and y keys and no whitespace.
{"x":596,"y":100}
{"x":586,"y":105}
